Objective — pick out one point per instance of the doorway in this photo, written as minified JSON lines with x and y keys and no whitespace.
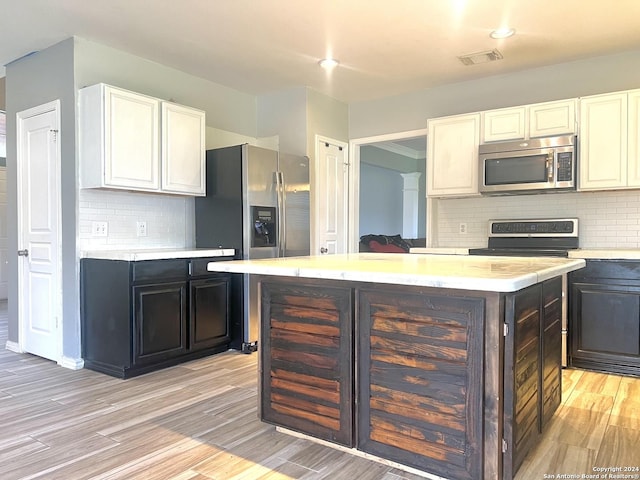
{"x":3,"y":207}
{"x":38,"y":207}
{"x":331,"y":197}
{"x":391,"y":187}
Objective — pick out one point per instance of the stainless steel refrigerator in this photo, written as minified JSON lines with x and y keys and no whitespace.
{"x":258,"y":203}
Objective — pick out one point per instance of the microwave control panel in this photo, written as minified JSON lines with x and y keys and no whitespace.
{"x":565,"y":167}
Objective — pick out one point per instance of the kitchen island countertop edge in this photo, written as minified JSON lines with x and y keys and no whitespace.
{"x":497,"y":274}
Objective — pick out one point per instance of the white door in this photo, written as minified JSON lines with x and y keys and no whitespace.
{"x":39,"y":296}
{"x":3,"y":233}
{"x":332,"y":197}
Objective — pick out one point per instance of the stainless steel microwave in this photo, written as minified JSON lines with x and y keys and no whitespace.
{"x":525,"y":166}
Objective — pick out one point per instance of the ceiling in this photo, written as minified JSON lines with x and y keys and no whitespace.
{"x":384,"y":47}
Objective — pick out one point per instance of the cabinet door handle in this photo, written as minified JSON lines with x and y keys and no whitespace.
{"x":23,"y":253}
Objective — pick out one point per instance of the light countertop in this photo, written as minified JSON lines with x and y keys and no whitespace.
{"x":158,"y":253}
{"x":587,"y":253}
{"x":606,"y":253}
{"x":494,"y":274}
{"x":440,"y":250}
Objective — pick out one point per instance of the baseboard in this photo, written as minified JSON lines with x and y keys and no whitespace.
{"x":71,"y":363}
{"x":13,"y":347}
{"x":66,"y":362}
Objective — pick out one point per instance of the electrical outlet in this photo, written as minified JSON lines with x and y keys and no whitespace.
{"x":141,"y":229}
{"x":462,"y":228}
{"x":99,"y":229}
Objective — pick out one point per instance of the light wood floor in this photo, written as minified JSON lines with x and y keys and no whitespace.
{"x":198,"y":421}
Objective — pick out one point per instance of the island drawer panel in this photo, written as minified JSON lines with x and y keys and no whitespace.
{"x":307,"y":378}
{"x":551,"y":348}
{"x":522,"y":397}
{"x":420,"y":385}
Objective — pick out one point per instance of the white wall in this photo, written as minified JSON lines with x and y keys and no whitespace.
{"x":169,"y":218}
{"x":374,"y":183}
{"x":226,"y":108}
{"x":613,"y":226}
{"x":56,"y":73}
{"x":410,"y":111}
{"x":284,"y":113}
{"x":3,"y":102}
{"x":31,"y":81}
{"x":380,"y":206}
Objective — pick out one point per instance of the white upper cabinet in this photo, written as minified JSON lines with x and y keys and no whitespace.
{"x":552,"y":118}
{"x":452,"y":158}
{"x":603,"y":142}
{"x":119,"y":139}
{"x":504,"y":124}
{"x":183,"y":149}
{"x":136,"y":142}
{"x":633,"y":139}
{"x":529,"y":121}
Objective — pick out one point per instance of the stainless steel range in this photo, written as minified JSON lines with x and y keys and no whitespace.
{"x":531,"y":237}
{"x":535,"y":238}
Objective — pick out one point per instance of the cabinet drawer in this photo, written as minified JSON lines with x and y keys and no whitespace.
{"x":153,"y":270}
{"x":627,"y":270}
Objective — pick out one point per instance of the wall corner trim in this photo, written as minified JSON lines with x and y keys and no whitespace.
{"x":71,"y":363}
{"x":13,"y":347}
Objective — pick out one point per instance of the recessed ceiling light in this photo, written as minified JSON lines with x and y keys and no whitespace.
{"x":502,"y":33}
{"x":328,"y":63}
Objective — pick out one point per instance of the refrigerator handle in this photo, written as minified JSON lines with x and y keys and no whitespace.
{"x":279,"y":232}
{"x":282,"y":214}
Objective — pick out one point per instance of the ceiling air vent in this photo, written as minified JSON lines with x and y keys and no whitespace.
{"x":480,"y":57}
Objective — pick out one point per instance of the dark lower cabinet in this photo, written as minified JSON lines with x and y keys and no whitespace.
{"x":420,"y":370}
{"x":522,"y":389}
{"x":141,"y":316}
{"x":209,"y":312}
{"x":159,"y":319}
{"x":605,"y":316}
{"x":551,"y":349}
{"x":307,"y":359}
{"x":533,"y":349}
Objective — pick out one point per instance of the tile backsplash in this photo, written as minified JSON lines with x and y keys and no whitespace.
{"x":169,"y":220}
{"x":606,"y":219}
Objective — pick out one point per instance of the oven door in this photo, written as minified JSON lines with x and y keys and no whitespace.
{"x":517,"y":171}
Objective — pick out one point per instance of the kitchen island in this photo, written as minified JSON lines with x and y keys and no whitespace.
{"x":449,"y":365}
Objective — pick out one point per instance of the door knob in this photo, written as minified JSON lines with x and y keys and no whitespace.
{"x":324,"y":250}
{"x":23,"y":253}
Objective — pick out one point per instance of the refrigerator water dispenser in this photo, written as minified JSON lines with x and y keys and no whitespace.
{"x":264,"y":226}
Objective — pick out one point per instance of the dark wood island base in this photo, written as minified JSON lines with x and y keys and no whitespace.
{"x":455,"y":383}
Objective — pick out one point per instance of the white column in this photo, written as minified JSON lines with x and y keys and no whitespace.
{"x":410,"y":204}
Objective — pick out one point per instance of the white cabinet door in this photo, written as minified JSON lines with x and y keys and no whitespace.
{"x":183,"y":149}
{"x":131,"y":140}
{"x":452,"y":161}
{"x":119,"y":139}
{"x":603,"y":142}
{"x":552,"y":118}
{"x":633,"y":140}
{"x":504,"y":124}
